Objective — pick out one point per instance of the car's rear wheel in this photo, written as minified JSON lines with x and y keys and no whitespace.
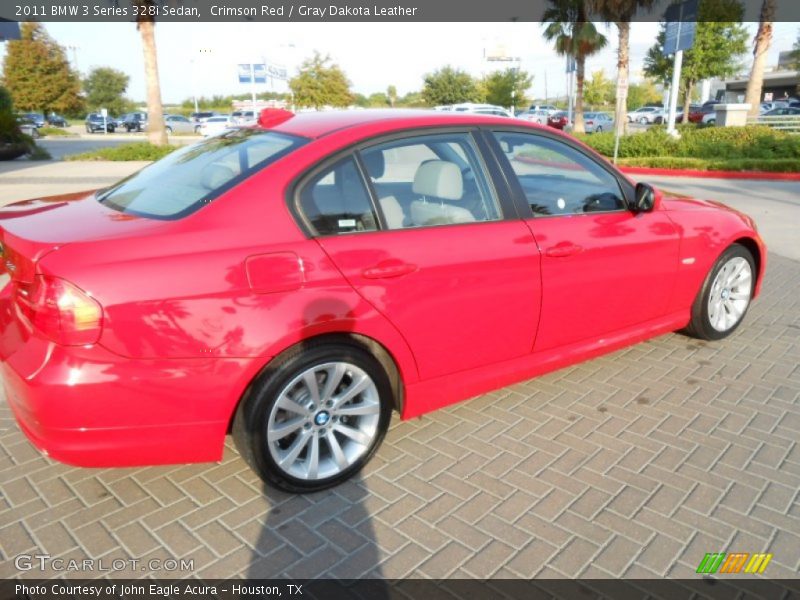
{"x":314,"y":417}
{"x":89,"y":129}
{"x":725,"y":296}
{"x":599,"y":129}
{"x":643,"y":120}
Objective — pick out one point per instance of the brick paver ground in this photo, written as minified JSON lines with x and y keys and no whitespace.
{"x":635,"y":464}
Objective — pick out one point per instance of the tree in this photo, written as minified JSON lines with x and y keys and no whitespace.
{"x":599,"y":90}
{"x":378,"y":100}
{"x":6,"y":103}
{"x":449,"y":86}
{"x":762,"y":42}
{"x":718,"y":45}
{"x":156,"y":132}
{"x":641,"y":94}
{"x":37,"y":73}
{"x":621,"y":12}
{"x":320,"y":82}
{"x":105,"y":88}
{"x":575,"y":36}
{"x":507,"y":88}
{"x":391,"y":93}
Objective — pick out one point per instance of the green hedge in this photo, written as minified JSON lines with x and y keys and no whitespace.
{"x":133,"y":151}
{"x":751,"y":142}
{"x":780,"y":165}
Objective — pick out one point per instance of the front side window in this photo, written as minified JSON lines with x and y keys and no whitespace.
{"x":430,"y":180}
{"x":193,"y":176}
{"x":336,"y":201}
{"x":557,"y":179}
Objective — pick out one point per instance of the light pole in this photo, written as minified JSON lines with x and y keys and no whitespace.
{"x":193,"y":61}
{"x":74,"y":50}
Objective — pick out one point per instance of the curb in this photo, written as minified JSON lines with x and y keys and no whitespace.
{"x":762,"y":175}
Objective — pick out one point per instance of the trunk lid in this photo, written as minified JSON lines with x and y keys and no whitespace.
{"x":31,"y":229}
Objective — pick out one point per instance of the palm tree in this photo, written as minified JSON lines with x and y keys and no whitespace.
{"x":762,"y":44}
{"x":620,"y":12}
{"x":156,"y":133}
{"x":575,"y":36}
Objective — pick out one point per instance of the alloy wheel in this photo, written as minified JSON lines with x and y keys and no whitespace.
{"x":730,"y":294}
{"x":323,"y":421}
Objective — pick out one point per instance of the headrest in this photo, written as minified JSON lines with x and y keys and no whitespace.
{"x":215,"y":176}
{"x":375,"y":163}
{"x":440,"y":179}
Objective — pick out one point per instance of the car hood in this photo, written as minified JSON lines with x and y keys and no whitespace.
{"x":672,"y":201}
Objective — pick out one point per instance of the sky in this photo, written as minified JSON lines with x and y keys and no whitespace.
{"x":201,"y":58}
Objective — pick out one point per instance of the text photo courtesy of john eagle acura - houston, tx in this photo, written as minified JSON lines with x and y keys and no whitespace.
{"x":377,"y":300}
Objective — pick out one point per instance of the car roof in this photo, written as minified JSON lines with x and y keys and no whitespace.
{"x":318,"y":124}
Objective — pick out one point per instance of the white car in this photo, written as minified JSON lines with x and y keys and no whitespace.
{"x":538,"y":116}
{"x":646,"y":115}
{"x":179,"y":124}
{"x":244,"y":117}
{"x":710,"y":118}
{"x":548,"y":108}
{"x":216,"y":125}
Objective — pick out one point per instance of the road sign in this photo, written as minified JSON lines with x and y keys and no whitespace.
{"x":245,"y":73}
{"x":681,"y":27}
{"x":277,"y":72}
{"x":572,"y":64}
{"x":260,"y":73}
{"x":9,"y":31}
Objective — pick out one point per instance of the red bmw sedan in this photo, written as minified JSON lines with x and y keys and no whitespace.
{"x":295,"y":282}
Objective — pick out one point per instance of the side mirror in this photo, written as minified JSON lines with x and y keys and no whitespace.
{"x":645,"y":198}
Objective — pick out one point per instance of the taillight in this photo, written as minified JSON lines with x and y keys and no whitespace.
{"x":64,"y":313}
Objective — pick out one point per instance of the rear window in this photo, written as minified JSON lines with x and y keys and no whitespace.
{"x":193,"y":176}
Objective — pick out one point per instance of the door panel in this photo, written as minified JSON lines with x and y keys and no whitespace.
{"x":462,"y":296}
{"x":602,"y":273}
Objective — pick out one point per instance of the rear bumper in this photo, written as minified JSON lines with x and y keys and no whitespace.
{"x":86,"y":406}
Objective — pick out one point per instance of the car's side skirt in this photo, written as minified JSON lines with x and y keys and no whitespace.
{"x":432,"y":394}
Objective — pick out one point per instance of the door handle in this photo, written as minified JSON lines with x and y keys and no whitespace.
{"x":563,"y":250}
{"x":389,"y":269}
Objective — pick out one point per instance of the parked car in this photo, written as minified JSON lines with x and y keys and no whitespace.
{"x":558,"y":120}
{"x":597,"y":122}
{"x":539,"y":116}
{"x":387,"y":264}
{"x":95,"y":122}
{"x":36,"y":118}
{"x":696,"y":115}
{"x":133,"y":121}
{"x":548,"y":108}
{"x":180,"y":124}
{"x":243,"y":117}
{"x":27,"y":126}
{"x":768,"y":106}
{"x":56,"y":120}
{"x":664,"y":117}
{"x":216,"y":124}
{"x":645,"y":115}
{"x":782,"y":112}
{"x":709,"y":119}
{"x":202,"y":117}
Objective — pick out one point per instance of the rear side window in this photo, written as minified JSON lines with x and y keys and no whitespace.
{"x":193,"y":176}
{"x":336,"y":201}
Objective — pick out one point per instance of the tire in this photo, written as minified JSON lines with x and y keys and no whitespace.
{"x":197,"y":130}
{"x":722,"y":303}
{"x":643,"y":121}
{"x":281,"y":395}
{"x":169,"y":130}
{"x":598,"y":129}
{"x":711,"y":122}
{"x":89,"y":129}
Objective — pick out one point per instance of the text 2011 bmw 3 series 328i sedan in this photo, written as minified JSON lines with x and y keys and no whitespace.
{"x":296,"y":281}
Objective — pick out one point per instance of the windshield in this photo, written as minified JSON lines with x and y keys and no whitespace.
{"x":193,"y":176}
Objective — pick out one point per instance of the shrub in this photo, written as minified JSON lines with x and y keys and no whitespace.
{"x":781,"y":165}
{"x":6,"y":104}
{"x":54,"y":132}
{"x":133,"y":151}
{"x":38,"y":153}
{"x":9,"y":130}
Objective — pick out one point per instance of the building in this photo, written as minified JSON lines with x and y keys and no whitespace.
{"x":777,"y":85}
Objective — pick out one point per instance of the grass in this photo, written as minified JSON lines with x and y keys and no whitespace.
{"x":132,"y":151}
{"x":38,"y":153}
{"x":54,"y":132}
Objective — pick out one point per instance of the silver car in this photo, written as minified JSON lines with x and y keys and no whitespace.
{"x":645,"y":115}
{"x":538,"y":116}
{"x":596,"y":122}
{"x":179,"y":124}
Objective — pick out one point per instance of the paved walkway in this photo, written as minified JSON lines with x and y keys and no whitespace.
{"x":636,"y":464}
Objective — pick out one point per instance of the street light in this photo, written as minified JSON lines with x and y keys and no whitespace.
{"x":202,"y":52}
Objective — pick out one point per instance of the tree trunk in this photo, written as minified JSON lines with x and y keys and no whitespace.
{"x":578,"y":126}
{"x":687,"y":100}
{"x":762,"y":43}
{"x":156,"y":133}
{"x":623,"y":73}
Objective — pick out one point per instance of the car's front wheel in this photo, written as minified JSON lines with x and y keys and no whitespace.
{"x":725,"y":296}
{"x":643,"y":121}
{"x":314,"y":417}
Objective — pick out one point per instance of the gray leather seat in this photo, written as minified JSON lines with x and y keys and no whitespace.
{"x":437,"y":181}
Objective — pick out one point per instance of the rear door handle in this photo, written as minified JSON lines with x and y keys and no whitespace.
{"x":388,"y":269}
{"x":563,"y":250}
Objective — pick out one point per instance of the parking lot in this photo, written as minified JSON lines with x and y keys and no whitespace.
{"x":635,"y":464}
